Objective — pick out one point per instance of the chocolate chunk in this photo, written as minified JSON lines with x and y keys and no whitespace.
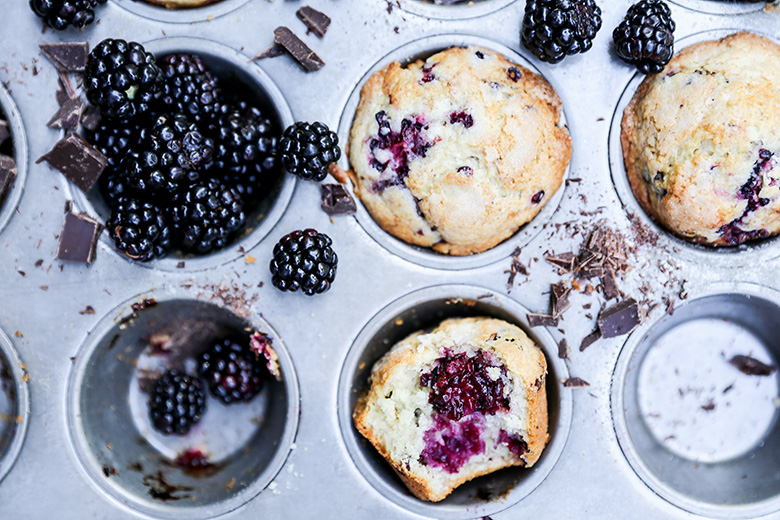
{"x":564,"y":351}
{"x":751,"y":366}
{"x":91,"y":117}
{"x":542,"y":320}
{"x":316,"y":21}
{"x":7,"y":176}
{"x":5,"y":131}
{"x":590,"y":339}
{"x":69,"y":114}
{"x":564,"y":262}
{"x":77,"y":160}
{"x":67,"y":57}
{"x":609,"y":285}
{"x":559,"y":298}
{"x":337,"y":201}
{"x":78,"y":238}
{"x":575,"y":382}
{"x":271,"y":52}
{"x":306,"y":57}
{"x":619,"y":319}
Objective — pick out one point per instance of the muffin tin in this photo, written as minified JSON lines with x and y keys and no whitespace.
{"x":72,"y":447}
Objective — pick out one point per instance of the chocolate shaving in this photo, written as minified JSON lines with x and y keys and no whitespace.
{"x":7,"y":176}
{"x":271,"y":52}
{"x":5,"y":131}
{"x":564,"y":351}
{"x":516,"y":268}
{"x":316,"y":21}
{"x":68,"y":116}
{"x":67,"y":57}
{"x":751,"y":366}
{"x":575,"y":382}
{"x":307,"y":58}
{"x":542,"y":320}
{"x":609,"y":285}
{"x":619,"y":319}
{"x":559,"y":298}
{"x":77,"y":160}
{"x":78,"y":238}
{"x":590,"y":339}
{"x":564,"y":262}
{"x":336,"y":200}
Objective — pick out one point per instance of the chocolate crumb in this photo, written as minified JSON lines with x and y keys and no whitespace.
{"x":306,"y":58}
{"x":709,"y":406}
{"x":728,"y":388}
{"x":180,"y":265}
{"x":751,"y":366}
{"x":564,"y":351}
{"x":88,"y":310}
{"x":590,"y":339}
{"x":575,"y":382}
{"x":316,"y":21}
{"x":619,"y":319}
{"x":542,"y":320}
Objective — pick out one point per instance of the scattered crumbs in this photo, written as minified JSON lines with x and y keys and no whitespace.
{"x":249,"y":259}
{"x":109,"y":471}
{"x":708,"y":406}
{"x":230,"y":484}
{"x":18,"y":334}
{"x":109,"y":445}
{"x":72,"y":359}
{"x":575,"y":382}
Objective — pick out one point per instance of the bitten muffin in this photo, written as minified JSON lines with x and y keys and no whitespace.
{"x":700,"y":141}
{"x":462,"y":401}
{"x":458,"y":151}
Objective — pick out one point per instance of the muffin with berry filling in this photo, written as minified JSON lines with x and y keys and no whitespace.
{"x":458,"y":151}
{"x":465,"y":400}
{"x":700,"y":141}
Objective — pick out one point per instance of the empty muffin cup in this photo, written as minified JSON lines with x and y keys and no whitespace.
{"x":231,"y":68}
{"x":453,"y":9}
{"x":227,"y":457}
{"x":16,"y":147}
{"x":722,"y":7}
{"x":14,"y":405}
{"x":168,"y":12}
{"x":425,"y":309}
{"x":695,"y":399}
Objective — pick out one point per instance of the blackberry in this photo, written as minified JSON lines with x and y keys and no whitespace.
{"x":176,"y":403}
{"x":59,"y":14}
{"x":139,"y":230}
{"x":304,"y":260}
{"x":170,"y":158}
{"x":206,"y":216}
{"x":645,"y":37}
{"x":122,"y":79}
{"x":307,"y":149}
{"x":189,"y":88}
{"x":232,"y":371}
{"x":245,"y":151}
{"x":554,"y":29}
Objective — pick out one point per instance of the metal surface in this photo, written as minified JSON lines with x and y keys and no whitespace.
{"x":609,"y":463}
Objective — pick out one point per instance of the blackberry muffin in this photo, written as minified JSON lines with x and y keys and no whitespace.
{"x":182,"y":4}
{"x":465,"y":400}
{"x":700,"y":141}
{"x":458,"y":151}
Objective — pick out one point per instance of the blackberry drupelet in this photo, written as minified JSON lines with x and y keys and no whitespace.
{"x":232,"y":371}
{"x":304,"y":260}
{"x":139,"y":230}
{"x":245,"y":151}
{"x":170,"y":158}
{"x":206,"y":216}
{"x":116,"y":140}
{"x":554,"y":29}
{"x":189,"y":88}
{"x":122,"y":79}
{"x":59,"y":14}
{"x":307,"y":149}
{"x":177,"y":402}
{"x":645,"y":37}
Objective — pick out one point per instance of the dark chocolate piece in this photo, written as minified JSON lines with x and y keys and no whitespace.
{"x":5,"y":131}
{"x":619,"y":319}
{"x":316,"y":21}
{"x":68,"y":116}
{"x":78,"y":238}
{"x":307,"y":58}
{"x":751,"y":366}
{"x":708,"y":406}
{"x":559,"y":298}
{"x":337,"y":201}
{"x":271,"y":52}
{"x":564,"y":262}
{"x":564,"y":351}
{"x":67,"y":57}
{"x":609,"y":285}
{"x":542,"y":320}
{"x":575,"y":382}
{"x":77,"y":160}
{"x":590,"y":339}
{"x":91,"y":117}
{"x":7,"y":176}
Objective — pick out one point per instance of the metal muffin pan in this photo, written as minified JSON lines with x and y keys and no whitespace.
{"x":10,"y":113}
{"x":606,"y":461}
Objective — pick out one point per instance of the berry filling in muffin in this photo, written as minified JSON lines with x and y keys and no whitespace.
{"x":395,"y":149}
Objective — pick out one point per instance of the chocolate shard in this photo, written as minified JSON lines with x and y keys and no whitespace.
{"x":77,"y":160}
{"x":751,"y":366}
{"x":91,"y":117}
{"x":337,"y":201}
{"x":609,"y":285}
{"x":78,"y":238}
{"x":590,"y":339}
{"x":542,"y":320}
{"x":7,"y":176}
{"x":559,"y":298}
{"x":564,"y":352}
{"x":575,"y":382}
{"x":5,"y":131}
{"x":67,"y":57}
{"x":307,"y":58}
{"x":316,"y":21}
{"x":621,"y":318}
{"x":69,"y":114}
{"x":564,"y":262}
{"x":271,"y":52}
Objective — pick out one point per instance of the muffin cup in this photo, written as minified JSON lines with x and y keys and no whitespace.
{"x":10,"y":112}
{"x":408,"y":53}
{"x":228,"y":65}
{"x":424,"y":309}
{"x":461,"y":10}
{"x":700,"y":433}
{"x":14,"y":405}
{"x":748,"y":253}
{"x":722,"y":7}
{"x":128,"y":460}
{"x":162,"y":14}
